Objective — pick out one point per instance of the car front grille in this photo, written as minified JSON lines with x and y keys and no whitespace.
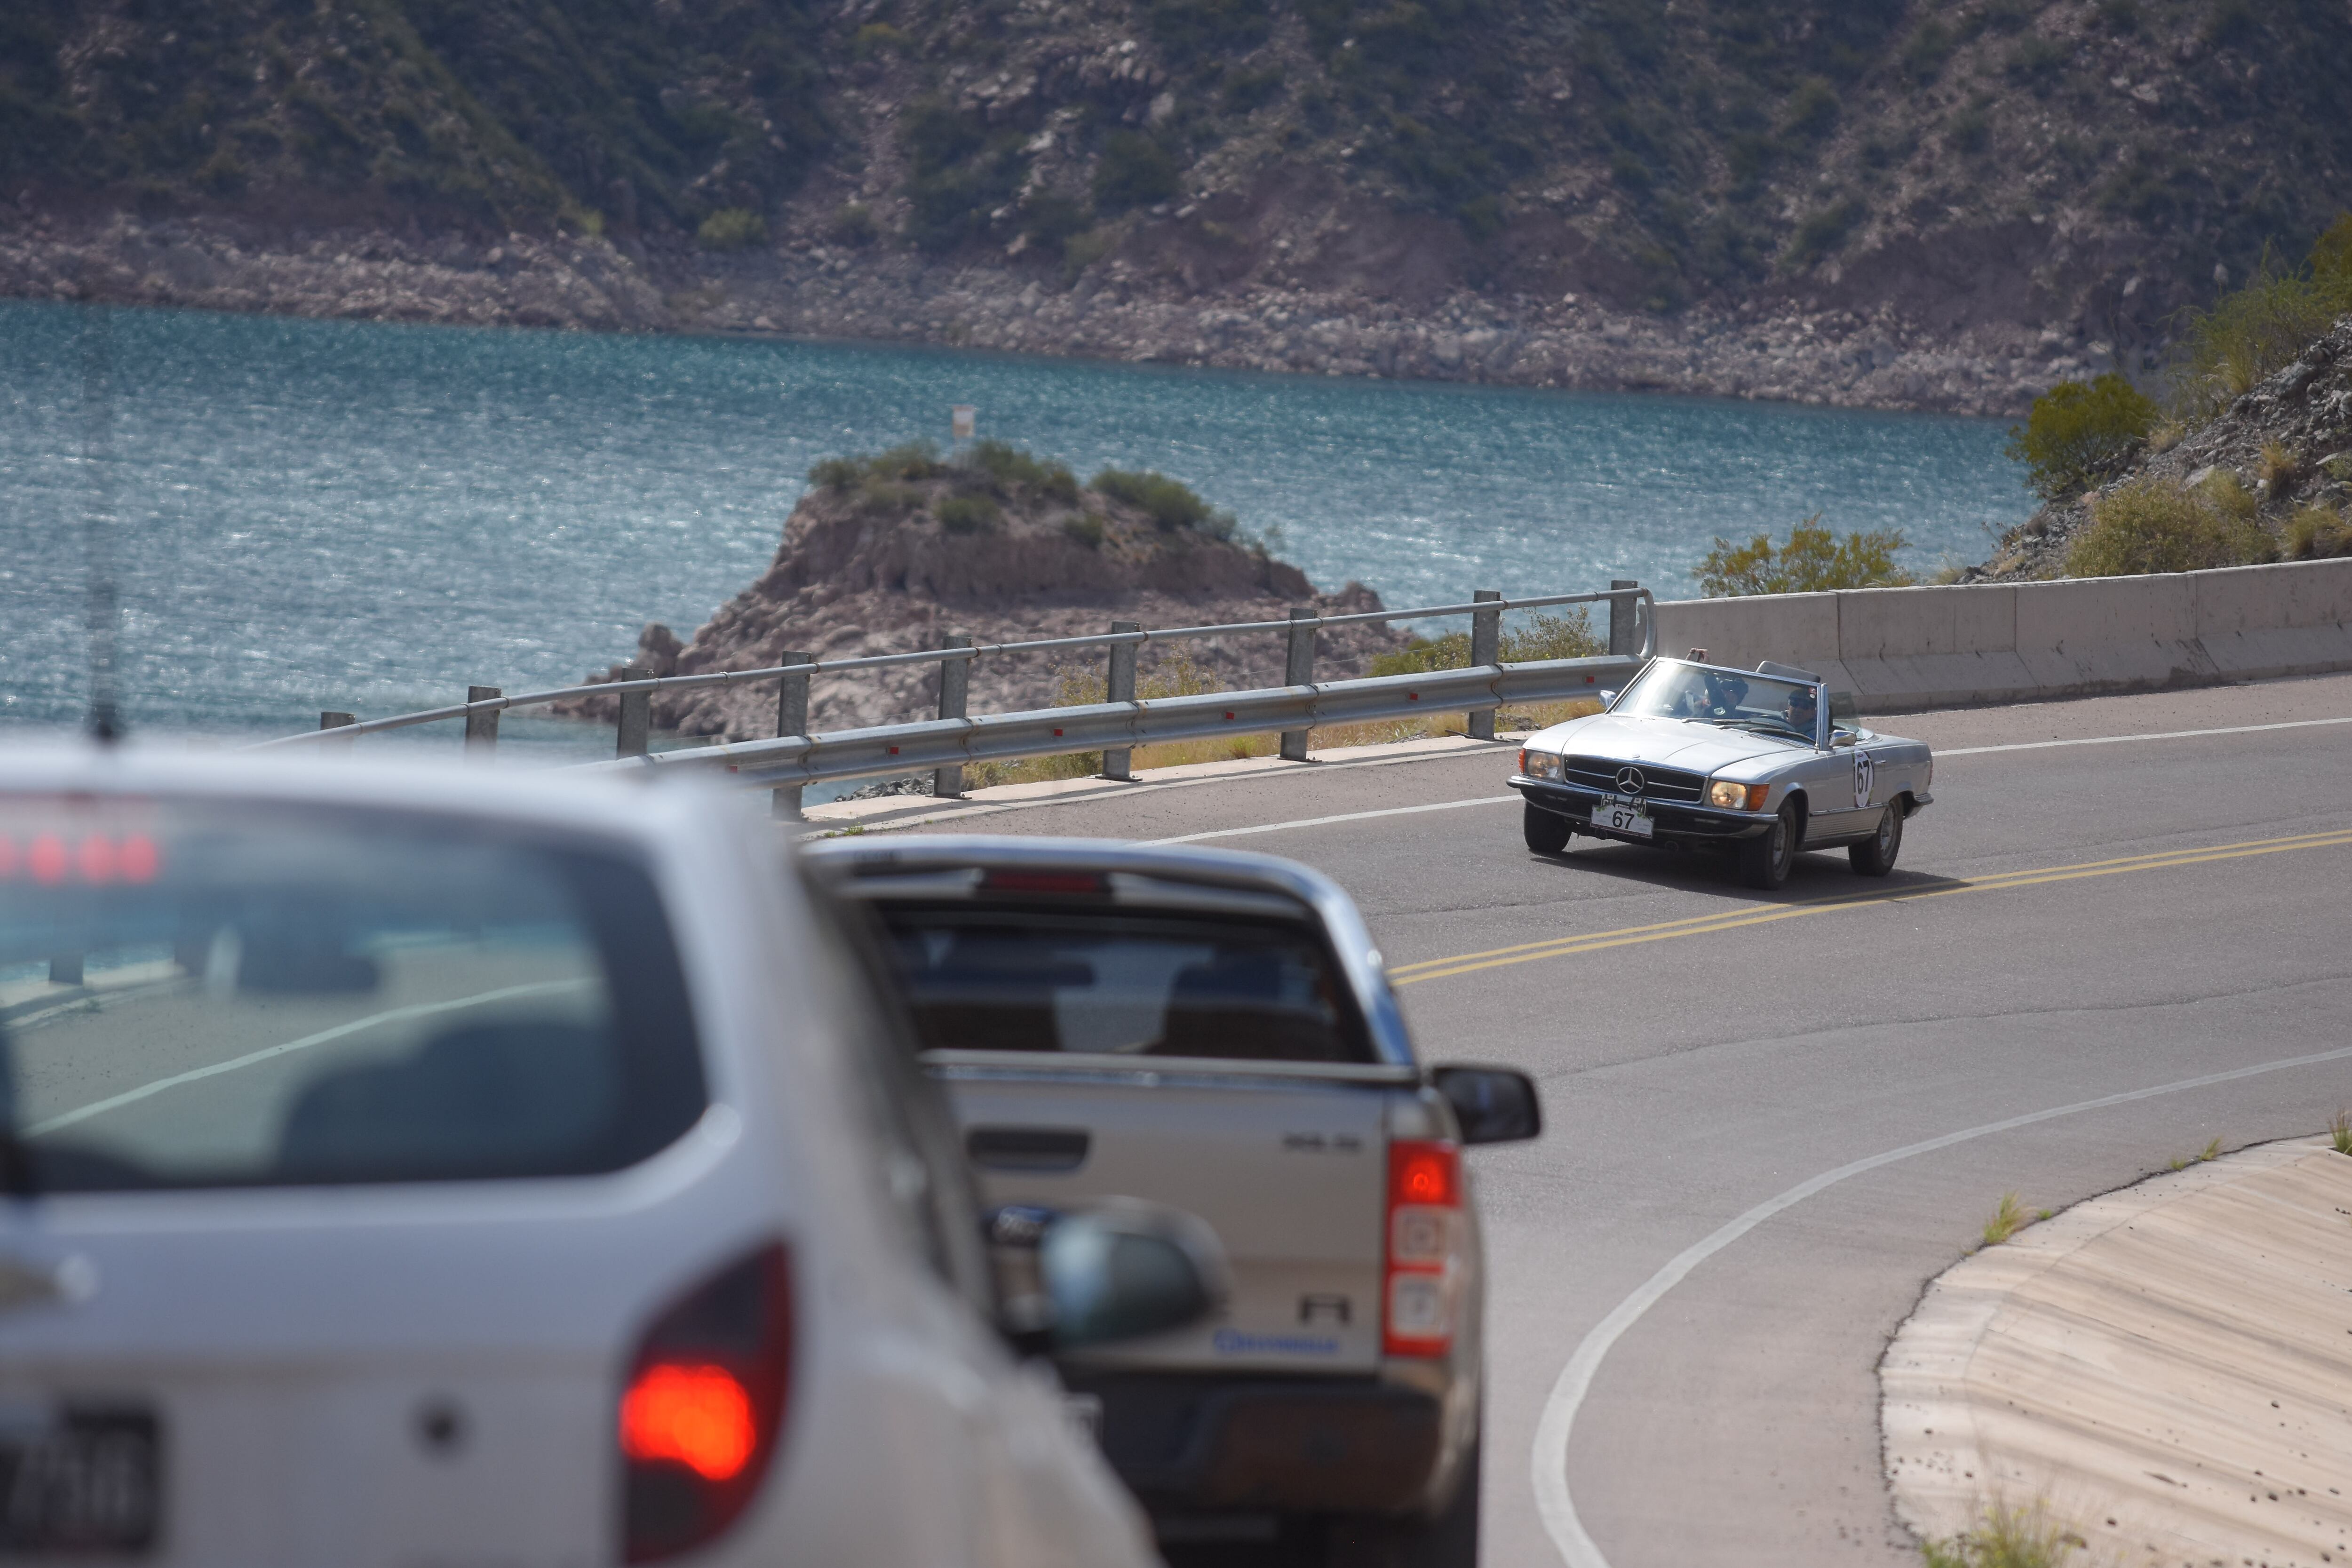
{"x":1670,"y":785}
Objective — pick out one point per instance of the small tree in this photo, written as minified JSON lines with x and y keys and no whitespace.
{"x":2077,"y":434}
{"x":1814,"y":561}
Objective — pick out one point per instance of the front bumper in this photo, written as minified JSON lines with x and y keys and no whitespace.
{"x":1674,"y":823}
{"x":1190,"y":1444}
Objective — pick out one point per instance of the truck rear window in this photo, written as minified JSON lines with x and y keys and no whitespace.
{"x":1122,"y":983}
{"x":207,"y":995}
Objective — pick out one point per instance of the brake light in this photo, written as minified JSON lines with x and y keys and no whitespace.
{"x":703,"y":1411}
{"x":1427,"y":1234}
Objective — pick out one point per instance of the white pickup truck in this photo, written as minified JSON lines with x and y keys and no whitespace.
{"x":1213,"y":1032}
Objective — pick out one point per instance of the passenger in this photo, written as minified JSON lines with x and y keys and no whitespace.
{"x":1803,"y":709}
{"x":1697,"y":699}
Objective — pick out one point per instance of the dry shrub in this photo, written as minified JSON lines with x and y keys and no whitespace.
{"x":2317,"y":532}
{"x":2154,"y":525}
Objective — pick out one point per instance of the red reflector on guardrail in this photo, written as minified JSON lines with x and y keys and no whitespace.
{"x":1011,"y":881}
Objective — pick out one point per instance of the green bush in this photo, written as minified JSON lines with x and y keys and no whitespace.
{"x":1812,"y":109}
{"x":1814,"y":561}
{"x":1133,"y":172}
{"x":853,"y":224}
{"x":968,"y":514}
{"x":1247,"y":91}
{"x":731,"y":228}
{"x":2317,"y":531}
{"x":1824,"y":232}
{"x":2152,"y":524}
{"x":1169,"y":503}
{"x":2226,"y":351}
{"x":2077,"y":434}
{"x":837,"y":473}
{"x":1970,"y":130}
{"x":1087,"y":529}
{"x":1569,"y":635}
{"x":1010,"y":466}
{"x":877,"y":38}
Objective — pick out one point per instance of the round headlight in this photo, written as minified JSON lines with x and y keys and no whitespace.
{"x":1727,"y":796}
{"x":1539,"y":765}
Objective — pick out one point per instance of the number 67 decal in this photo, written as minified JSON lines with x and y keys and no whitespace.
{"x":1862,"y":777}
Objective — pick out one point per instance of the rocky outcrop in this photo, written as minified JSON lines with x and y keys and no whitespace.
{"x":2288,"y":442}
{"x":873,"y":570}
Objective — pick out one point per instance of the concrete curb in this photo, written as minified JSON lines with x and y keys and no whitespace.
{"x":2168,"y":1368}
{"x":1899,"y":648}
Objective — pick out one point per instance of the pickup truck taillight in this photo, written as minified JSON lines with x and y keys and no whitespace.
{"x":704,"y":1406}
{"x":1426,"y":1233}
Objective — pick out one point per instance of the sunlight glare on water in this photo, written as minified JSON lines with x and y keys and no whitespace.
{"x":368,"y":517}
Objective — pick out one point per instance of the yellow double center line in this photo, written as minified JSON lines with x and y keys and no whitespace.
{"x":1731,"y":920}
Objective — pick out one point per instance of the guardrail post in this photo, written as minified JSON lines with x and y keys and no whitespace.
{"x":1298,"y":670}
{"x":1486,"y":646}
{"x":955,"y":693}
{"x":1624,"y":637}
{"x":792,"y":719}
{"x":636,"y":732}
{"x":333,"y":721}
{"x":482,"y":728}
{"x":1119,"y":687}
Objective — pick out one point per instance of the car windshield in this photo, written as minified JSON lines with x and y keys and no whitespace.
{"x":1123,"y":984}
{"x":205,"y":994}
{"x":1671,"y":690}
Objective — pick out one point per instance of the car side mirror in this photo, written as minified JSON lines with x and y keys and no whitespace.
{"x":1118,"y":1270}
{"x":1608,"y":699}
{"x":1491,"y":1105}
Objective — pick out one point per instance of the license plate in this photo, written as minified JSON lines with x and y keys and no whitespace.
{"x":86,"y":1483}
{"x":1622,"y":817}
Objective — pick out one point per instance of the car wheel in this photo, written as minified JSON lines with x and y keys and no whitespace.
{"x":1449,"y":1541}
{"x":1765,"y":859}
{"x":1547,"y":832}
{"x":1874,"y":857}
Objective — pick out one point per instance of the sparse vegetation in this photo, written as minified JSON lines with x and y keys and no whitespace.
{"x":1813,"y":560}
{"x":1169,"y":503}
{"x":2339,"y":1131}
{"x":853,"y":224}
{"x":2152,"y":524}
{"x":2008,"y":1218}
{"x":2250,"y":334}
{"x":968,"y":514}
{"x":2007,"y":1537}
{"x":2077,"y":434}
{"x":1134,"y":171}
{"x":1567,"y":635}
{"x":731,"y":228}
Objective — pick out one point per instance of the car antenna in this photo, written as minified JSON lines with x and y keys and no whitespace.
{"x":102,"y":613}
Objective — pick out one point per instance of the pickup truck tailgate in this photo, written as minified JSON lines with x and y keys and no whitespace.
{"x":1287,"y":1167}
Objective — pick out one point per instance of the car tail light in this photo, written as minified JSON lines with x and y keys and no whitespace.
{"x":1427,"y":1231}
{"x":704,"y":1406}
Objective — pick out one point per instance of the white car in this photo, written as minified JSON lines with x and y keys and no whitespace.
{"x":423,"y":1166}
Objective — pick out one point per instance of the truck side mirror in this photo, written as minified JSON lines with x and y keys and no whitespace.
{"x":1492,"y":1105}
{"x":1118,"y":1270}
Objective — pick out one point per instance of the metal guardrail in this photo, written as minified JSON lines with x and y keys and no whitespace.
{"x":940,"y":743}
{"x":1293,"y":708}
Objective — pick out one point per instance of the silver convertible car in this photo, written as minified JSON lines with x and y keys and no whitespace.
{"x":1762,"y":762}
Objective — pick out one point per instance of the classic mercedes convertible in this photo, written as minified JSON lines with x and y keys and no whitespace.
{"x":1764,"y":762}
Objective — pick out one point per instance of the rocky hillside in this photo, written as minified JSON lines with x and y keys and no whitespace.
{"x":889,"y":554}
{"x":2267,"y":478}
{"x":1909,"y":205}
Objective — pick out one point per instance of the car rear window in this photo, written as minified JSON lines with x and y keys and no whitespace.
{"x":1121,"y":982}
{"x":207,"y":995}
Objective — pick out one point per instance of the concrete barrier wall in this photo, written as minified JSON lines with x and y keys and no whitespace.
{"x":1899,"y":648}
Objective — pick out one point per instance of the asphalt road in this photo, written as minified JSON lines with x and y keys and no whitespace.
{"x":1772,"y":1118}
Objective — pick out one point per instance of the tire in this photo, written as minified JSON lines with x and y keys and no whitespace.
{"x":1545,"y":833}
{"x":1449,"y":1541}
{"x":1765,"y":859}
{"x":1874,"y":855}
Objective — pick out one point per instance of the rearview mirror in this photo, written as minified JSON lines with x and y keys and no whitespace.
{"x":1607,"y":699}
{"x":1492,"y":1105}
{"x":1117,"y":1270}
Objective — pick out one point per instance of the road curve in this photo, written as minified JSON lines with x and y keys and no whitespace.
{"x":1772,"y":1118}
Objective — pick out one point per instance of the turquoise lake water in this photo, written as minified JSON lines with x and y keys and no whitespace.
{"x":350,"y":515}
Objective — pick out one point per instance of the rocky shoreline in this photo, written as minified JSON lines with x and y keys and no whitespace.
{"x":1122,"y":310}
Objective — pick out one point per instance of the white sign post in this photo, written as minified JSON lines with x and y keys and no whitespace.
{"x":962,"y":419}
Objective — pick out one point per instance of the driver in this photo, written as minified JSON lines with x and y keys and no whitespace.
{"x":1697,"y":699}
{"x":1803,"y":709}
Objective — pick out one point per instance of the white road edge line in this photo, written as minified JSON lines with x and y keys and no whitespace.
{"x":2119,"y":739}
{"x":1956,"y":752}
{"x":390,"y":1016}
{"x":1549,"y":1459}
{"x":1344,"y":816}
